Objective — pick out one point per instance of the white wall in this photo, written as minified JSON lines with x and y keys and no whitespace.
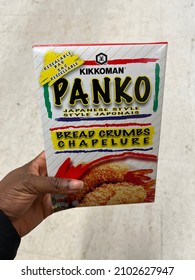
{"x":163,"y":230}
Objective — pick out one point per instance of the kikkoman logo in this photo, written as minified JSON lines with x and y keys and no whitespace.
{"x":101,"y":58}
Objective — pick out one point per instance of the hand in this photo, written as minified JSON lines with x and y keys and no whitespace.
{"x":25,"y":194}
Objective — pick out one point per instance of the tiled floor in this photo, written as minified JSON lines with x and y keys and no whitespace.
{"x":163,"y":230}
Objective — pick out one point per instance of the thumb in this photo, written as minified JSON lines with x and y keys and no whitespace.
{"x":42,"y":185}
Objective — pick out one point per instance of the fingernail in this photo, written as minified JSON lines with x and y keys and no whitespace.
{"x":75,"y":185}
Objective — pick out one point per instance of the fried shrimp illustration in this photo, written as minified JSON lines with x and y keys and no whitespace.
{"x":114,"y":183}
{"x":111,"y":194}
{"x":96,"y":176}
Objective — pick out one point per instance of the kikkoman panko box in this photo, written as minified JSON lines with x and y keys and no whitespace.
{"x":101,"y":107}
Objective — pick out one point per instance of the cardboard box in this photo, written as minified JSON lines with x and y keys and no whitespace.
{"x":101,"y":107}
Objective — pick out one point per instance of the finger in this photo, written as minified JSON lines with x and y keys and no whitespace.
{"x":42,"y":185}
{"x":38,"y":165}
{"x":41,"y":156}
{"x":41,"y":161}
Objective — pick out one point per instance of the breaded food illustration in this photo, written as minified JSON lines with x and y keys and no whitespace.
{"x":126,"y":193}
{"x":114,"y":193}
{"x":98,"y":175}
{"x":114,"y":183}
